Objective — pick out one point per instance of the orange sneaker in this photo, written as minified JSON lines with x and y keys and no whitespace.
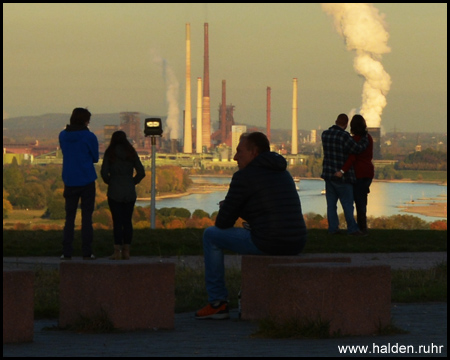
{"x":215,"y":312}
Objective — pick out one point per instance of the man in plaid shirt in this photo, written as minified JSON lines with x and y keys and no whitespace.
{"x":337,"y":145}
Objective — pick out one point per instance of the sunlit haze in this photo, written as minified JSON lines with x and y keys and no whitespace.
{"x":127,"y":57}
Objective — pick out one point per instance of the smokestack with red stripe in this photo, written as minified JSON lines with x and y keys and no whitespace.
{"x":198,"y":137}
{"x":223,"y":114}
{"x":187,"y":110}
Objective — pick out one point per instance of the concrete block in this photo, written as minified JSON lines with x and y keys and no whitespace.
{"x":18,"y":306}
{"x":255,"y":287}
{"x":133,"y":294}
{"x":355,"y":300}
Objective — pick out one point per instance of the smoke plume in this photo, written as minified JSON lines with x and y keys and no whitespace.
{"x":364,"y":32}
{"x":172,"y":86}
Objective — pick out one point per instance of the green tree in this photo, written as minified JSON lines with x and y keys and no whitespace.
{"x":13,"y":180}
{"x":55,"y":209}
{"x":7,"y":207}
{"x":200,"y":214}
{"x":32,"y":196}
{"x":102,"y":216}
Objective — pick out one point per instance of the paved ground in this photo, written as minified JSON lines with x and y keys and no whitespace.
{"x":426,"y":325}
{"x":417,"y":260}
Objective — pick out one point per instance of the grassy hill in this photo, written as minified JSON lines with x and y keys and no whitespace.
{"x":181,"y":242}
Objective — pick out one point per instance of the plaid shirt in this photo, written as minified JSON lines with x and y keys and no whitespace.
{"x":337,"y":145}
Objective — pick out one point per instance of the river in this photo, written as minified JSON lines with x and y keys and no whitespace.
{"x":384,"y":198}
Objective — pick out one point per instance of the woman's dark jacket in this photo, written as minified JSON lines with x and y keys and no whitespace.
{"x":118,"y":174}
{"x":264,"y":195}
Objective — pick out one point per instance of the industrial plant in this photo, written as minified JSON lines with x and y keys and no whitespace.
{"x":208,"y":143}
{"x":203,"y":140}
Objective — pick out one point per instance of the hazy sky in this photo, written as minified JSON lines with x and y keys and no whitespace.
{"x":109,"y":58}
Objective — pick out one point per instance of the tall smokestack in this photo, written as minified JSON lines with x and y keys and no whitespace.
{"x":376,"y":135}
{"x":294,"y":147}
{"x":187,"y":109}
{"x":206,"y":111}
{"x":198,"y":138}
{"x":223,"y":114}
{"x":268,"y":114}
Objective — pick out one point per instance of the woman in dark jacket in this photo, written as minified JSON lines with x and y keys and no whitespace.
{"x":119,"y":162}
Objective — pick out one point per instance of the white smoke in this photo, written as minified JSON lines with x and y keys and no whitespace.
{"x":364,"y":31}
{"x":172,"y":128}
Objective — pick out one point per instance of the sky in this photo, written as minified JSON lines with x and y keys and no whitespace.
{"x":132,"y":57}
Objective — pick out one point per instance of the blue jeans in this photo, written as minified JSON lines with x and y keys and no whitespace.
{"x":216,"y":240}
{"x":336,"y":190}
{"x":73,"y":194}
{"x":360,"y":191}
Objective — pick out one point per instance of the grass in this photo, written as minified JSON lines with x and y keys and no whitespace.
{"x":182,"y":242}
{"x":414,"y":285}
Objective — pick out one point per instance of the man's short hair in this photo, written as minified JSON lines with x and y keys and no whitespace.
{"x":342,"y":120}
{"x":80,"y":116}
{"x":256,"y":139}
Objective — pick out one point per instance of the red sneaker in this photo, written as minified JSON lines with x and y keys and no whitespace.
{"x":215,"y":312}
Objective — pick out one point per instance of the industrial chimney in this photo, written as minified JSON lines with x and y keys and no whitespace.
{"x":375,"y":132}
{"x":268,"y":114}
{"x":198,"y":138}
{"x":206,"y":111}
{"x":187,"y":109}
{"x":294,"y":146}
{"x":223,"y":114}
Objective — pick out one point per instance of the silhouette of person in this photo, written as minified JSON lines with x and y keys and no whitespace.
{"x":364,"y":170}
{"x":263,"y":193}
{"x":337,"y":145}
{"x":79,"y":147}
{"x":119,"y":162}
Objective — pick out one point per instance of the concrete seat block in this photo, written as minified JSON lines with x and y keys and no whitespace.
{"x":255,"y":287}
{"x":355,"y":300}
{"x":134,"y":295}
{"x":18,"y":306}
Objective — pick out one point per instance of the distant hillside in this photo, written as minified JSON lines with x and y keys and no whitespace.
{"x":48,"y":126}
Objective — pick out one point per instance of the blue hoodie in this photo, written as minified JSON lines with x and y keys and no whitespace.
{"x":80,"y":151}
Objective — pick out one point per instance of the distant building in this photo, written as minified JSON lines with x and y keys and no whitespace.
{"x":236,"y":132}
{"x":108,"y":130}
{"x":130,"y":123}
{"x":313,"y":136}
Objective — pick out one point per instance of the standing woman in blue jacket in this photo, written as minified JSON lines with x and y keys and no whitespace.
{"x":79,"y":147}
{"x":119,"y":162}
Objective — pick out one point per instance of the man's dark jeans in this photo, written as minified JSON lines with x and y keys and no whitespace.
{"x":73,"y":194}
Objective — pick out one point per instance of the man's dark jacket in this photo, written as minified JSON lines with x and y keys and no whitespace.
{"x":265,"y":196}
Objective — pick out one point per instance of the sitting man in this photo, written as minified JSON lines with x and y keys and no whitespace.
{"x":263,"y":193}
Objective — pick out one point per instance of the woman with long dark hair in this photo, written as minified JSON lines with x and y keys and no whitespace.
{"x":119,"y":162}
{"x":364,"y":171}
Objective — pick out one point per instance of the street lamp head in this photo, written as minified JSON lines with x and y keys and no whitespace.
{"x":153,"y":127}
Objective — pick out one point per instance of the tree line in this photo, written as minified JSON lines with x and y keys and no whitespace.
{"x":41,"y":187}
